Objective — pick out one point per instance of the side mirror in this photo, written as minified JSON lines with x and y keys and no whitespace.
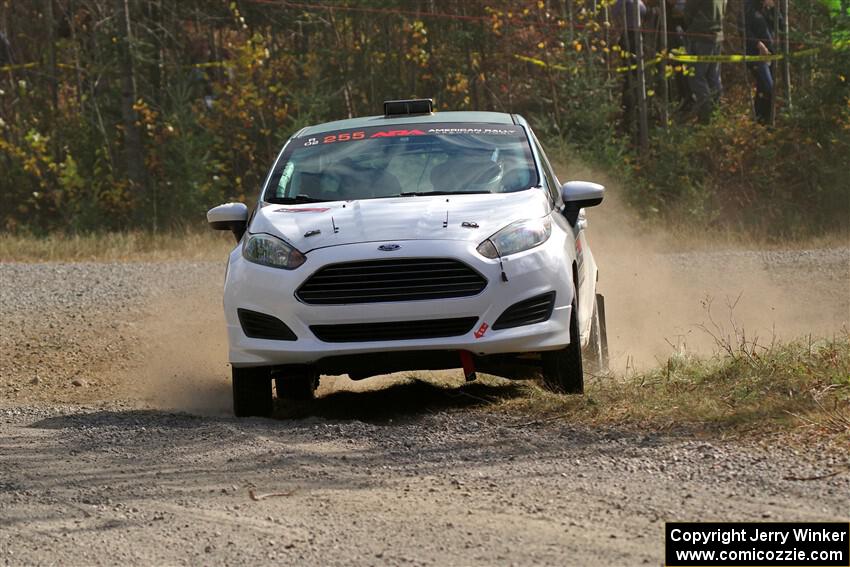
{"x":580,"y":194}
{"x":230,"y":216}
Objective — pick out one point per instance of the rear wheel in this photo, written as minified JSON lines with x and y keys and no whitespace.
{"x":562,"y":369}
{"x":252,"y":392}
{"x":603,"y":328}
{"x":297,"y":384}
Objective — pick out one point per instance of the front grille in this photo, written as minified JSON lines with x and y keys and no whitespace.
{"x":379,"y":281}
{"x":394,"y":330}
{"x":534,"y":310}
{"x":261,"y":326}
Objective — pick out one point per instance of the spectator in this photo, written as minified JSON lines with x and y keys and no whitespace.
{"x":758,"y":22}
{"x":627,"y":43}
{"x":676,"y":40}
{"x":704,"y":24}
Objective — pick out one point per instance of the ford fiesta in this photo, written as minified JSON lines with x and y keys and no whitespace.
{"x":410,"y":241}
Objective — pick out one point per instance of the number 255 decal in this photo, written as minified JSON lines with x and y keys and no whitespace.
{"x":344,"y":137}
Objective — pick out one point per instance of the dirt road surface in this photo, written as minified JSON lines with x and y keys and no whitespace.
{"x":116,"y":445}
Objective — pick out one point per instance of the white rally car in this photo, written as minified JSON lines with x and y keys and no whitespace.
{"x":410,"y":241}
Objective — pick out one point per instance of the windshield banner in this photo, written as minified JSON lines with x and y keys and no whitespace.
{"x":375,"y":132}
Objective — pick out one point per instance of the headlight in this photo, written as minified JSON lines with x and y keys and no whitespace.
{"x":267,"y":250}
{"x":517,"y":237}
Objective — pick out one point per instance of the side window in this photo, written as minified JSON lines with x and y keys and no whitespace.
{"x":548,"y":173}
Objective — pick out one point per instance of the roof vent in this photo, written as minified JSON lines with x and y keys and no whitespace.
{"x":406,"y":107}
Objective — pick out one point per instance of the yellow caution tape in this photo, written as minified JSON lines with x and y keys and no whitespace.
{"x":5,"y":68}
{"x":540,"y":62}
{"x":804,"y":52}
{"x":724,"y":58}
{"x":650,"y":63}
{"x":680,"y":57}
{"x":212,"y":64}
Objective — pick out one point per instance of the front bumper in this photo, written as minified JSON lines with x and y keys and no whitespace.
{"x":272,"y":291}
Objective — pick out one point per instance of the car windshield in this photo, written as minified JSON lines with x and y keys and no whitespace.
{"x":404,"y":160}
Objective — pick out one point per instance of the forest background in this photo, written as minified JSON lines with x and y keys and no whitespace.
{"x":141,"y":114}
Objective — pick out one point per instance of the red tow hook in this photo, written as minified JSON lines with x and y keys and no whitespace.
{"x":468,"y":364}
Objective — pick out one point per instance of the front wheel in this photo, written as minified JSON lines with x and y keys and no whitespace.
{"x":297,"y":384}
{"x":562,"y":369}
{"x":252,"y":392}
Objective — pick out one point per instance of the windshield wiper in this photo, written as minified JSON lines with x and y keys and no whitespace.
{"x":296,"y":200}
{"x":428,"y":193}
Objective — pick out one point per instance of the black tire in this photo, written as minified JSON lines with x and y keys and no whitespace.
{"x":562,"y":369}
{"x":298,"y":384}
{"x":596,"y":353}
{"x":252,"y":392}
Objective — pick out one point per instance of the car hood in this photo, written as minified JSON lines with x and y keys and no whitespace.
{"x":398,"y":218}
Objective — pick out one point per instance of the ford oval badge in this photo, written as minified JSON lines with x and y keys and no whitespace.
{"x":388,"y":247}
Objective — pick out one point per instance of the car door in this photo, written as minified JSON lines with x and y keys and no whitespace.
{"x":588,"y":272}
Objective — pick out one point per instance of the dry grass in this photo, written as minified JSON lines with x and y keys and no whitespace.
{"x":781,"y":389}
{"x":804,"y":384}
{"x":116,"y":247}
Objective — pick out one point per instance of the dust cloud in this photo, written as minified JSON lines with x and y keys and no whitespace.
{"x":182,"y":354}
{"x":667,"y":293}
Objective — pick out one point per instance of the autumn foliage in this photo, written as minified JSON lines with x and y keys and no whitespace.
{"x":120,"y":114}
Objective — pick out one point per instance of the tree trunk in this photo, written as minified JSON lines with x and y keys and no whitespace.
{"x":665,"y":91}
{"x":643,"y":121}
{"x":774,"y":67}
{"x":786,"y":49}
{"x":78,"y":69}
{"x":342,"y":53}
{"x":133,"y":150}
{"x":628,"y":118}
{"x":51,"y":55}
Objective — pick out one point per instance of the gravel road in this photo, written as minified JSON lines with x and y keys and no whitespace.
{"x":116,"y":445}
